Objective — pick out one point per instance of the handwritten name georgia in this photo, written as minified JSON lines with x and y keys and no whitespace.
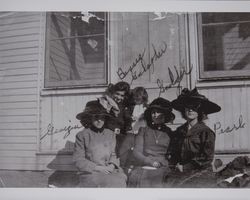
{"x":51,"y":130}
{"x":135,"y":70}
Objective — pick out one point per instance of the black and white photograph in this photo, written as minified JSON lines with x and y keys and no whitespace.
{"x":124,"y":99}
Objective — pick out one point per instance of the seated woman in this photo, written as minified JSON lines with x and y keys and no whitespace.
{"x":192,"y":147}
{"x":151,"y":145}
{"x":94,"y":152}
{"x":135,"y":105}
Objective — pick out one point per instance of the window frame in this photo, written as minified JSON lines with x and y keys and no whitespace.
{"x":74,"y":84}
{"x":218,"y":74}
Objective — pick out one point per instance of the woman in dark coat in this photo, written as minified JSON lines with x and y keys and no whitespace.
{"x":114,"y":103}
{"x":151,"y":145}
{"x":192,"y":146}
{"x":94,"y":153}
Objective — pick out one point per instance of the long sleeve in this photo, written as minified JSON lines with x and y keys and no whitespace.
{"x":139,"y":148}
{"x":113,"y":158}
{"x":79,"y":156}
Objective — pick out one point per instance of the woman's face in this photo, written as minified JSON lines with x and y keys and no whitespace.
{"x":118,"y":96}
{"x":157,"y":116}
{"x":98,"y":121}
{"x":191,"y":114}
{"x":138,"y":100}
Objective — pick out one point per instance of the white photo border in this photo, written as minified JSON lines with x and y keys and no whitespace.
{"x":124,"y":5}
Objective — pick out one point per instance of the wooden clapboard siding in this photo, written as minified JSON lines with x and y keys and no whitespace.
{"x":60,"y":111}
{"x":18,"y":91}
{"x":18,"y":98}
{"x":19,"y":45}
{"x":20,"y":39}
{"x":26,"y":132}
{"x":234,"y":103}
{"x":16,"y":72}
{"x":18,"y":140}
{"x":20,"y":42}
{"x":18,"y":65}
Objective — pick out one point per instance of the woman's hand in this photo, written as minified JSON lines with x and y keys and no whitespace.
{"x":179,"y":167}
{"x":156,"y":164}
{"x":105,"y":169}
{"x":111,"y":167}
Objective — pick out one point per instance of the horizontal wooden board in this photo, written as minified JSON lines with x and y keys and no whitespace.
{"x":11,"y":72}
{"x":18,"y":140}
{"x":22,"y":166}
{"x":8,"y":153}
{"x":24,"y":84}
{"x":34,"y":166}
{"x":19,"y":32}
{"x":13,"y":119}
{"x":18,"y":26}
{"x":18,"y":98}
{"x":16,"y":126}
{"x":20,"y":78}
{"x":31,"y":104}
{"x":19,"y":147}
{"x":18,"y":19}
{"x":18,"y":65}
{"x":19,"y":91}
{"x":18,"y":15}
{"x":20,"y":45}
{"x":18,"y":58}
{"x":19,"y":52}
{"x":48,"y":160}
{"x":20,"y":39}
{"x":18,"y":132}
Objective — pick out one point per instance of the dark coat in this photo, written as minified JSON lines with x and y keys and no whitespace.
{"x":122,"y":121}
{"x":193,"y":148}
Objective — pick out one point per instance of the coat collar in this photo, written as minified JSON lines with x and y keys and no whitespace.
{"x":197,"y":128}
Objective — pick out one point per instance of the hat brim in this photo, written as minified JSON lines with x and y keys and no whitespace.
{"x":84,"y":115}
{"x":169,"y":115}
{"x":206,"y":106}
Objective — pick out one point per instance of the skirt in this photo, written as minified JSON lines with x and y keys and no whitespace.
{"x":148,"y":178}
{"x":192,"y":179}
{"x":102,"y":180}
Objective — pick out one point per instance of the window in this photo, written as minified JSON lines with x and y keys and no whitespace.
{"x":76,"y":49}
{"x":224,"y":45}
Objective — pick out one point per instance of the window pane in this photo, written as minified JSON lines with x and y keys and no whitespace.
{"x":76,"y":49}
{"x":225,"y":44}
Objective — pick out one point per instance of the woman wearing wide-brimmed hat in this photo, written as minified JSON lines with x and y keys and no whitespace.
{"x":192,"y":147}
{"x":94,"y":153}
{"x":151,"y":146}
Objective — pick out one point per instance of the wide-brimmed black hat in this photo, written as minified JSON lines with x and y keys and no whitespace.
{"x":92,"y":108}
{"x":163,"y":105}
{"x":187,"y":98}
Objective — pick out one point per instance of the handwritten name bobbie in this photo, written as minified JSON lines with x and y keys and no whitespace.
{"x":51,"y":130}
{"x":139,"y":66}
{"x":239,"y":125}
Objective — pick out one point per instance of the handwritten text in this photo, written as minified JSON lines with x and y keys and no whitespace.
{"x":51,"y":130}
{"x":139,"y":66}
{"x":174,"y":80}
{"x":219,"y":130}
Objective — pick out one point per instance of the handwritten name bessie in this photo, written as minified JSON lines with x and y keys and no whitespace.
{"x":139,"y":66}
